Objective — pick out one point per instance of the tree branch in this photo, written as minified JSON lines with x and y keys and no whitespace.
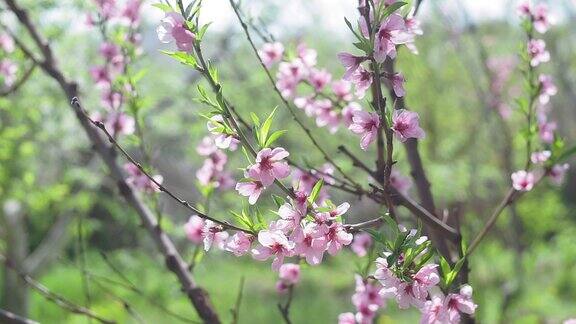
{"x":174,"y":262}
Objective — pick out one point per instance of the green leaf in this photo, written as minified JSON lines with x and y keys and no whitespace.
{"x":274,"y":137}
{"x":183,"y":57}
{"x":316,"y":191}
{"x":255,"y":119}
{"x":263,"y":134}
{"x":163,"y":6}
{"x":202,"y":31}
{"x":360,"y":38}
{"x":376,"y":235}
{"x":279,"y":201}
{"x":391,"y":9}
{"x":566,"y":154}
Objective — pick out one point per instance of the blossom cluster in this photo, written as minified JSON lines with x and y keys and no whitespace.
{"x":8,"y":69}
{"x":410,"y":285}
{"x":537,"y":19}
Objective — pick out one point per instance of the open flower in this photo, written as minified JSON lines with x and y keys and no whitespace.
{"x":557,"y":173}
{"x":362,"y":242}
{"x":537,"y":51}
{"x":239,"y":243}
{"x":273,"y":244}
{"x":251,"y":189}
{"x":310,"y":242}
{"x":398,"y":85}
{"x":366,"y":125}
{"x":522,"y":180}
{"x":362,"y":80}
{"x":336,"y":237}
{"x":391,"y":33}
{"x":405,"y":125}
{"x":547,"y":88}
{"x":213,"y":233}
{"x":173,"y":28}
{"x":194,"y":229}
{"x":269,"y":166}
{"x":351,"y":63}
{"x":289,"y":274}
{"x":319,"y":79}
{"x":271,"y":53}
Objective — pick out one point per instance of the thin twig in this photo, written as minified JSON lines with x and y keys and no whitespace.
{"x":53,"y":297}
{"x":114,"y":142}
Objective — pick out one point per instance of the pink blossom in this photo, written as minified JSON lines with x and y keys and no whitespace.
{"x":337,"y":237}
{"x":251,"y":189}
{"x":174,"y":28}
{"x":390,"y":34}
{"x":239,"y":243}
{"x":434,"y":312}
{"x":213,"y":233}
{"x":306,"y":55}
{"x":109,"y":51}
{"x":319,"y":78}
{"x":140,"y":181}
{"x":366,"y":293}
{"x":540,"y":18}
{"x":341,"y":89}
{"x":366,"y":125}
{"x":131,"y":12}
{"x":405,"y":125}
{"x":362,"y":80}
{"x":270,"y":165}
{"x":546,"y":131}
{"x":524,"y":10}
{"x":522,"y":180}
{"x":308,"y":104}
{"x":8,"y":70}
{"x":295,"y":70}
{"x":348,"y":113}
{"x":362,"y":242}
{"x":398,"y":85}
{"x":6,"y":43}
{"x":271,"y":53}
{"x":101,"y":76}
{"x":386,"y":278}
{"x":290,"y":217}
{"x":346,"y":318}
{"x":112,"y":99}
{"x":400,"y":182}
{"x":461,"y":302}
{"x":119,"y":123}
{"x":540,"y":157}
{"x":290,"y":273}
{"x":351,"y":64}
{"x":332,"y":214}
{"x":107,"y":8}
{"x":557,"y":173}
{"x":273,"y":244}
{"x":537,"y":51}
{"x":194,"y":229}
{"x":310,"y":242}
{"x":326,"y":115}
{"x":206,"y":147}
{"x":547,"y":88}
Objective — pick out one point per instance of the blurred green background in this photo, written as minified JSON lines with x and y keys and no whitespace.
{"x":525,"y":272}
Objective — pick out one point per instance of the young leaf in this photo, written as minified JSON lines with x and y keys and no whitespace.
{"x":316,"y":191}
{"x":265,"y":129}
{"x":255,"y":119}
{"x":163,"y":6}
{"x":274,"y":137}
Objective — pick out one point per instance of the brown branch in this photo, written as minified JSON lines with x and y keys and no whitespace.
{"x":14,"y":87}
{"x":285,"y":309}
{"x":7,"y":317}
{"x":174,"y":262}
{"x":53,"y":297}
{"x":101,"y":126}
